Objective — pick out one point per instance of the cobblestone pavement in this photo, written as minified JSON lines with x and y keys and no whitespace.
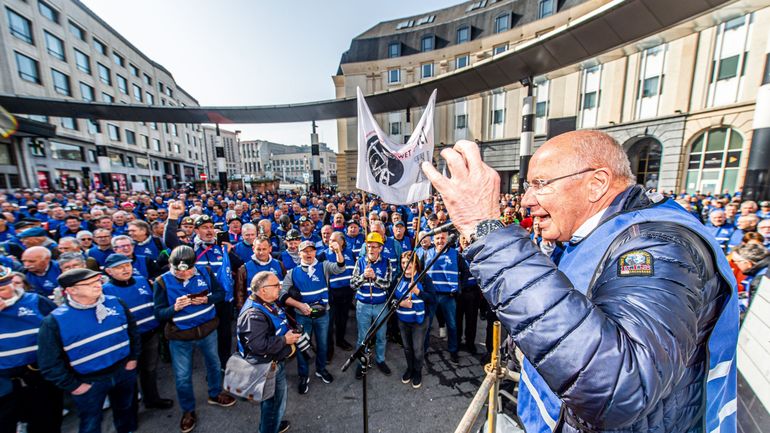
{"x":437,"y":406}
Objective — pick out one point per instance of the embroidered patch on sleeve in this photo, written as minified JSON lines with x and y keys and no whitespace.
{"x":635,"y":263}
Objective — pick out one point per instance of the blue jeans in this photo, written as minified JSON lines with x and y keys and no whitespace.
{"x":320,"y":328}
{"x":272,"y":409}
{"x":365,"y":315}
{"x":120,"y":387}
{"x":181,"y":362}
{"x":448,"y":307}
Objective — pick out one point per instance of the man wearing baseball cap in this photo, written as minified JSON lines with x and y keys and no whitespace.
{"x":88,"y":347}
{"x":290,"y":256}
{"x":306,"y":288}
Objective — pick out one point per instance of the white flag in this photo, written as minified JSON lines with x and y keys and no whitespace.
{"x":392,"y":170}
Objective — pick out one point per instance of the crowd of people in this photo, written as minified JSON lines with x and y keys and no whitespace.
{"x":96,"y":288}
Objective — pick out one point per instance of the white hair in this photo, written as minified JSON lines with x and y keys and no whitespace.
{"x":595,"y":149}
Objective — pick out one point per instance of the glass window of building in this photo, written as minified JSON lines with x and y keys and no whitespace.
{"x":122,"y":84}
{"x":93,"y":126}
{"x":19,"y":26}
{"x":137,"y":93}
{"x":463,"y":34}
{"x":176,"y":148}
{"x":150,"y":98}
{"x":100,"y":46}
{"x":427,"y":43}
{"x":104,"y":74}
{"x":147,"y":79}
{"x":107,"y":98}
{"x":28,"y":68}
{"x":6,"y":156}
{"x":715,"y":158}
{"x":462,"y":61}
{"x":427,"y":70}
{"x":68,"y":123}
{"x":130,"y":137}
{"x":156,"y":145}
{"x":47,"y":11}
{"x":500,"y":49}
{"x":77,"y":31}
{"x":113,"y":132}
{"x":37,"y":148}
{"x":589,"y":101}
{"x":86,"y":92}
{"x":118,"y":59}
{"x":546,"y":8}
{"x":650,"y":82}
{"x":82,"y":61}
{"x":394,"y":76}
{"x":134,"y":70}
{"x":145,"y":141}
{"x":502,"y":23}
{"x":54,"y":46}
{"x":461,"y":121}
{"x":542,"y":90}
{"x":61,"y":83}
{"x":66,"y":151}
{"x":394,"y":49}
{"x":728,"y":65}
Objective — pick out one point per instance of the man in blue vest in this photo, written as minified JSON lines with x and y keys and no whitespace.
{"x":103,"y":247}
{"x":260,"y":260}
{"x":141,"y":265}
{"x":372,"y":279}
{"x":636,"y":330}
{"x":306,"y":289}
{"x":445,"y":274}
{"x":24,"y":395}
{"x":88,"y":347}
{"x":245,"y":248}
{"x":341,"y":295}
{"x":185,"y":298}
{"x":136,"y":292}
{"x":42,"y":272}
{"x":719,"y":228}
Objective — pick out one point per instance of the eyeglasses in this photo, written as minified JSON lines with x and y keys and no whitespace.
{"x":538,"y":186}
{"x":122,"y":247}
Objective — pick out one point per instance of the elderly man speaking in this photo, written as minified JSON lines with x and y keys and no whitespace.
{"x":636,"y":329}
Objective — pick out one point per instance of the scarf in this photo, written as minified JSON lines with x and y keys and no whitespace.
{"x":101,"y":310}
{"x":260,"y":262}
{"x":310,"y":267}
{"x":17,"y":294}
{"x":198,"y":243}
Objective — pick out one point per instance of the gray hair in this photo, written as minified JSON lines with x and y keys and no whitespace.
{"x":259,"y":280}
{"x":115,"y":240}
{"x":248,"y":226}
{"x":83,"y":233}
{"x":597,"y":149}
{"x":72,"y":257}
{"x":752,"y":252}
{"x":70,"y":239}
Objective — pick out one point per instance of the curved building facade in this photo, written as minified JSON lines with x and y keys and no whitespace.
{"x":683,"y":108}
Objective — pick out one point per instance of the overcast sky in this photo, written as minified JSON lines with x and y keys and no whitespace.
{"x":254,"y":52}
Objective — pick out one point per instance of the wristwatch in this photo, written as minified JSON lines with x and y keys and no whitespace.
{"x":484,"y":228}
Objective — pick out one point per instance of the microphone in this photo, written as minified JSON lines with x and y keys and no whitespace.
{"x":448,"y":227}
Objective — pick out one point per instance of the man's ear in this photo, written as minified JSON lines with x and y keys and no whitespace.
{"x":599,"y":184}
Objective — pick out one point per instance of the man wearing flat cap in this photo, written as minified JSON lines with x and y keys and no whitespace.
{"x":88,"y":347}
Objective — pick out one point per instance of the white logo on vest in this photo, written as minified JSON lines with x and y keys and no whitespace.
{"x":24,"y":311}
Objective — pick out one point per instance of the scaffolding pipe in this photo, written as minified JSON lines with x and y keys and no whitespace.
{"x":466,"y":424}
{"x":495,"y":361}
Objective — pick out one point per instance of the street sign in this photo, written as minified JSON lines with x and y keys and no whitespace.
{"x":203,"y":176}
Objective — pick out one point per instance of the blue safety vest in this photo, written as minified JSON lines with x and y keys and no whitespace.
{"x":138,"y":297}
{"x":390,"y":252}
{"x":139,"y":265}
{"x":215,"y":257}
{"x":312,"y":286}
{"x":100,"y":255}
{"x":539,"y":407}
{"x":288,"y":261}
{"x":277,"y":317}
{"x":415,"y":314}
{"x":406,"y":243}
{"x":243,"y":251}
{"x":370,"y":293}
{"x":722,"y":234}
{"x":253,"y":268}
{"x":191,"y":315}
{"x":342,"y":280}
{"x":445,"y":273}
{"x":148,"y":248}
{"x":44,"y":284}
{"x":355,"y":243}
{"x":92,"y":346}
{"x":19,"y":325}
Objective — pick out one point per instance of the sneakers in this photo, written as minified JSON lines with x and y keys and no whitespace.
{"x":454,"y":357}
{"x":442,"y":332}
{"x":284,"y":426}
{"x":303,"y":386}
{"x":223,"y":399}
{"x":406,"y":377}
{"x":325,"y":376}
{"x":187,"y":424}
{"x":359,"y":372}
{"x":417,"y":379}
{"x":383,"y":367}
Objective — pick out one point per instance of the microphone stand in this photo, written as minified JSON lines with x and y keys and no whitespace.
{"x":363,"y":352}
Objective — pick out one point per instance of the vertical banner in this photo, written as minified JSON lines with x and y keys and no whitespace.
{"x":392,"y":170}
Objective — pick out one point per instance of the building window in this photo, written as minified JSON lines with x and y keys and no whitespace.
{"x":118,"y":59}
{"x":589,"y":100}
{"x":462,"y":61}
{"x":94,"y":127}
{"x":499,"y":49}
{"x":77,"y":31}
{"x":122,"y":84}
{"x":65,"y":151}
{"x":394,"y":49}
{"x":20,"y":27}
{"x":137,"y":93}
{"x":427,"y":43}
{"x":82,"y":61}
{"x":86,"y":92}
{"x":47,"y":11}
{"x":715,"y":158}
{"x":100,"y":46}
{"x":394,"y":76}
{"x":28,"y":68}
{"x":427,"y":70}
{"x":146,"y":141}
{"x":37,"y":148}
{"x":174,"y":131}
{"x":150,"y":98}
{"x":117,"y":159}
{"x":61,"y":83}
{"x":104,"y":74}
{"x":147,"y":79}
{"x":113,"y":132}
{"x":463,"y":34}
{"x":55,"y":46}
{"x":546,"y":8}
{"x":68,"y":123}
{"x":497,"y":116}
{"x":650,"y":87}
{"x":134,"y":70}
{"x":461,"y":121}
{"x":176,"y":148}
{"x":729,"y":61}
{"x":156,"y":145}
{"x":502,"y":23}
{"x":130,"y":137}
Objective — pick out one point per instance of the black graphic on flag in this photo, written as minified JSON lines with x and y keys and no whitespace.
{"x":385,"y":169}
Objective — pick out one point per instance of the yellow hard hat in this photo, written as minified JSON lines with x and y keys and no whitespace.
{"x":375,"y":237}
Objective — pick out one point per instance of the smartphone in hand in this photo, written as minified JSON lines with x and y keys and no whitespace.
{"x":222,"y":237}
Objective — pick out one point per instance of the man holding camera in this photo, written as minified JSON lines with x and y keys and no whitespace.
{"x":305,"y":288}
{"x":264,"y":336}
